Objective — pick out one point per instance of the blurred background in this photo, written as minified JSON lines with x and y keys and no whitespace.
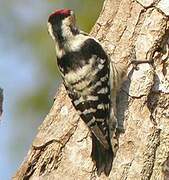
{"x":28,"y":72}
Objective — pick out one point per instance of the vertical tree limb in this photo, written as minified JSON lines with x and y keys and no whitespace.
{"x":1,"y":101}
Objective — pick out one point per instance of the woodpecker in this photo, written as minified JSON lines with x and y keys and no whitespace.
{"x":85,"y":68}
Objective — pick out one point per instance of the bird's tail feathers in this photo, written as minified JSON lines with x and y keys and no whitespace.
{"x":102,"y":157}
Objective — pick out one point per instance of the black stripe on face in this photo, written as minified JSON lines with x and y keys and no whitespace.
{"x":56,"y":23}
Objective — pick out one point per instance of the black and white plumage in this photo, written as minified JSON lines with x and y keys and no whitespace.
{"x":85,"y":69}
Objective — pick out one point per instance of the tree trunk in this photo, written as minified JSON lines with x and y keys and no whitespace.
{"x":62,"y":147}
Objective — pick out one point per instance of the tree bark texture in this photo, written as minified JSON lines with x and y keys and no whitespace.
{"x":62,"y":147}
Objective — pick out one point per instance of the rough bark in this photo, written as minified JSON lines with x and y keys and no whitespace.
{"x":61,"y":149}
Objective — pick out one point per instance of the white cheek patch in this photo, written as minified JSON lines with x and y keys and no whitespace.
{"x":50,"y":30}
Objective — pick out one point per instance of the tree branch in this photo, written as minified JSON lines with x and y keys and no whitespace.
{"x":1,"y":101}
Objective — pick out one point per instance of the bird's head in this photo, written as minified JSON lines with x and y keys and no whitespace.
{"x":61,"y":24}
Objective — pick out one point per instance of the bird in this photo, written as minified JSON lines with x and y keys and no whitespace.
{"x":85,"y":69}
